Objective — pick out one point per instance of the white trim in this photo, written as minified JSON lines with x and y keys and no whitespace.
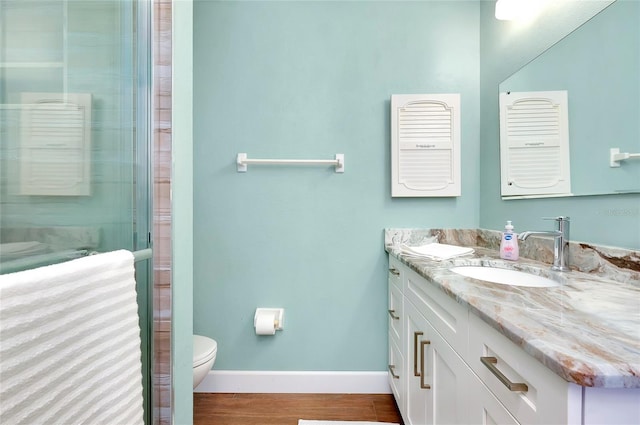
{"x":246,"y":381}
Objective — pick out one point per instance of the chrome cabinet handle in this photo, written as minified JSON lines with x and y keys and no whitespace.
{"x":422,"y":384}
{"x":490,"y":363}
{"x":392,"y":372}
{"x":394,"y":272}
{"x":415,"y":353}
{"x":393,"y":315}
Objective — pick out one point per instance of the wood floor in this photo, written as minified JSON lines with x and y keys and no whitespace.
{"x":286,"y":409}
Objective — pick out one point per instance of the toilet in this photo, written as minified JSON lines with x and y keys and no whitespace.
{"x":204,"y":354}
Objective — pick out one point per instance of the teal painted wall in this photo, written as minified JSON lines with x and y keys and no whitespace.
{"x":310,"y":240}
{"x":505,"y":47}
{"x":308,"y":80}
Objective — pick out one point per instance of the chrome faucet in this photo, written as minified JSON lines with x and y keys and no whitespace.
{"x":560,"y":242}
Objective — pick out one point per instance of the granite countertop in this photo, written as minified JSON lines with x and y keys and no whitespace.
{"x":587,"y":330}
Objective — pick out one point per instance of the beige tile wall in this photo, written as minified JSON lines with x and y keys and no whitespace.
{"x":162,"y":214}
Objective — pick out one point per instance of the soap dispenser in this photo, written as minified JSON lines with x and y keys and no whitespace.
{"x":509,"y":243}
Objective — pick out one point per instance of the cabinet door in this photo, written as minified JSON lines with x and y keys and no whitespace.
{"x":417,"y":398}
{"x":437,"y":377}
{"x":449,"y":379}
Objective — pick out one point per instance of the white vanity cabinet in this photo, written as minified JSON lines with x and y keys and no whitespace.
{"x":445,"y":381}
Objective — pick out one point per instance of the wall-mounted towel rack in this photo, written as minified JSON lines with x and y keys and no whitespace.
{"x":139,"y":255}
{"x":615,"y":156}
{"x":142,"y":254}
{"x":33,"y":261}
{"x":243,"y":162}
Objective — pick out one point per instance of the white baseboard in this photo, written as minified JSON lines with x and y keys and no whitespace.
{"x":246,"y":381}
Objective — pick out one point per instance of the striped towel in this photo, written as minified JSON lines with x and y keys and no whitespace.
{"x":70,"y":344}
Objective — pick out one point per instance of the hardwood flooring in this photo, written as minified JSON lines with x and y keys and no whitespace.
{"x":286,"y":409}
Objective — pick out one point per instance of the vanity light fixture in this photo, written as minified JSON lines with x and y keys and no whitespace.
{"x":502,"y":11}
{"x":511,"y":10}
{"x":508,"y":10}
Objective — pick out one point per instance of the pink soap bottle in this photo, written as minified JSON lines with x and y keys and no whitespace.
{"x":509,"y":244}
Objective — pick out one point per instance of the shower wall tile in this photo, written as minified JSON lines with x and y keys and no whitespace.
{"x":162,"y":213}
{"x":164,"y":102}
{"x":163,"y":119}
{"x":162,"y":378}
{"x":162,"y":171}
{"x":163,"y":141}
{"x":162,"y":309}
{"x":161,"y":77}
{"x":164,"y":326}
{"x":162,"y":193}
{"x":162,"y":245}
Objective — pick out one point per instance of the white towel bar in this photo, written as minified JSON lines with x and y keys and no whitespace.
{"x":243,"y":162}
{"x":615,"y":156}
{"x":142,"y":254}
{"x":139,"y":255}
{"x":33,"y":261}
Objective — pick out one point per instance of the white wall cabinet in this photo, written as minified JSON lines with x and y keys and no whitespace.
{"x":446,"y":382}
{"x":425,"y":145}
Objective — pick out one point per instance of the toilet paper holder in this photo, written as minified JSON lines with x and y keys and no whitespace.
{"x":277,"y":313}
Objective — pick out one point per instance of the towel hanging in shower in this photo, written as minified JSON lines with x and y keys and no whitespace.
{"x":70,"y":343}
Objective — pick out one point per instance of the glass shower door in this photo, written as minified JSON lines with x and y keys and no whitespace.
{"x":74,"y":135}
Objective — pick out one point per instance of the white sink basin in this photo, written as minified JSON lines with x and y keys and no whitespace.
{"x":505,"y":276}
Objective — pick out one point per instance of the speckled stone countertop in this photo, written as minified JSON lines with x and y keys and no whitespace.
{"x":587,"y":330}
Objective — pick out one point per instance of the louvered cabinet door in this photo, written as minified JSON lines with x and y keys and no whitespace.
{"x":534,"y":143}
{"x":425,"y":145}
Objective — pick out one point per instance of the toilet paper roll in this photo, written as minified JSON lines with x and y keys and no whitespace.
{"x":265,"y":324}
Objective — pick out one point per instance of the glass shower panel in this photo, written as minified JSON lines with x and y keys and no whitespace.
{"x":74,"y":149}
{"x":68,"y":87}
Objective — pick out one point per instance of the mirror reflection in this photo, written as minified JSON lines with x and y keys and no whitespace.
{"x":598,"y":65}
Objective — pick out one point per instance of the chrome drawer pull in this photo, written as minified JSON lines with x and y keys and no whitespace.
{"x":392,"y":372}
{"x":490,"y":363}
{"x":393,"y":315}
{"x":422,"y":384}
{"x":415,"y":353}
{"x":394,"y":272}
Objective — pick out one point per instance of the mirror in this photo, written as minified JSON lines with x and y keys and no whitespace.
{"x":598,"y":64}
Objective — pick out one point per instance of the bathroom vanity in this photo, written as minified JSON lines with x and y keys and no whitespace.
{"x":466,"y":351}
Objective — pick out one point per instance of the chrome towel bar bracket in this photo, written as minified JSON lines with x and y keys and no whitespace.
{"x":615,"y":156}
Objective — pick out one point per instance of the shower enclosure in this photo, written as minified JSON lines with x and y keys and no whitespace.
{"x":75,"y":138}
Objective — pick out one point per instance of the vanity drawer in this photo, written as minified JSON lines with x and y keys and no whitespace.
{"x":545,"y":398}
{"x":396,"y":301}
{"x":396,"y":372}
{"x":443,"y":313}
{"x":395,"y":272}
